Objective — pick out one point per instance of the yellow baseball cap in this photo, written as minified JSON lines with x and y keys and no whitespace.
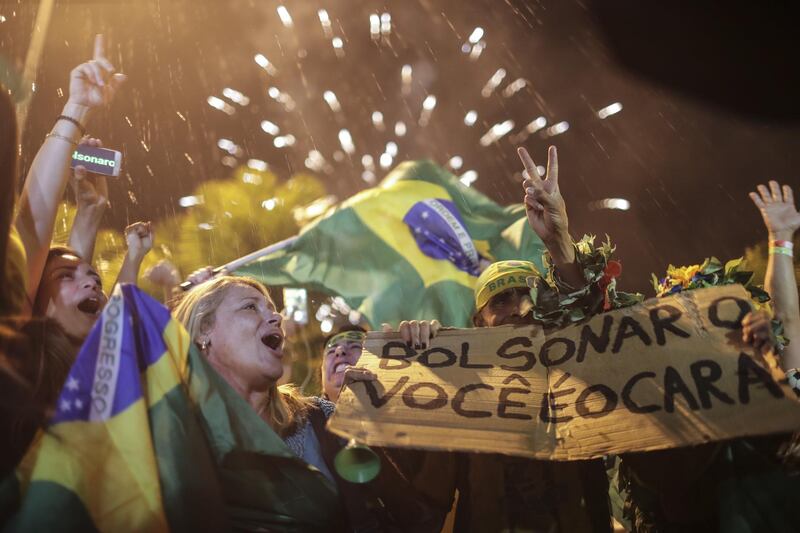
{"x":500,"y":276}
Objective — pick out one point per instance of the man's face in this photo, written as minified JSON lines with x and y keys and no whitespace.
{"x":512,"y":306}
{"x":71,"y":294}
{"x":337,"y":358}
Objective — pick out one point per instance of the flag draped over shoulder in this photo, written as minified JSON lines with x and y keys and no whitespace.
{"x":409,"y":248}
{"x":146,"y":436}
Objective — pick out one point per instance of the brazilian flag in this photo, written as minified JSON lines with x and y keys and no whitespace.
{"x":146,"y":436}
{"x":410,"y":248}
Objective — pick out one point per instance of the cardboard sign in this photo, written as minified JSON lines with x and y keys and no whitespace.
{"x":666,"y":373}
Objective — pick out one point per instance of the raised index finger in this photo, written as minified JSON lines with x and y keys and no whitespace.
{"x":527,"y":161}
{"x":99,"y":47}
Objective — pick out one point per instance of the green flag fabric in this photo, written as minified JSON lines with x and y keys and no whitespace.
{"x":409,"y":248}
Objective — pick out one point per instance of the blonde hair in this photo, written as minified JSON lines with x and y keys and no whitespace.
{"x":285,"y":406}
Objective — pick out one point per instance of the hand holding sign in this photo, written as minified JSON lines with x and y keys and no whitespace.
{"x":94,"y":83}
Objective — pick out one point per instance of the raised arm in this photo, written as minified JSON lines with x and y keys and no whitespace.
{"x":139,"y":237}
{"x":547,"y":216}
{"x":92,"y":84}
{"x":91,"y":197}
{"x":782,"y":220}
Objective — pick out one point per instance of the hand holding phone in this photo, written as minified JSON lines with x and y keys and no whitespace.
{"x":97,"y":159}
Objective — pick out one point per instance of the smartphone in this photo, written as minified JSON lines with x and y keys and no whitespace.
{"x":296,"y":303}
{"x":98,"y":160}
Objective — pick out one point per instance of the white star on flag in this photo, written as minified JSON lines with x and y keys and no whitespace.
{"x":424,"y":214}
{"x":72,"y":384}
{"x":78,"y":403}
{"x":65,"y":406}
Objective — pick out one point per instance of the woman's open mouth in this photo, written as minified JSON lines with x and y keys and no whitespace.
{"x":273,"y":341}
{"x":90,"y":306}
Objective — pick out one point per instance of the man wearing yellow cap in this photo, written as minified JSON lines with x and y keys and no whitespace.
{"x":501,"y":493}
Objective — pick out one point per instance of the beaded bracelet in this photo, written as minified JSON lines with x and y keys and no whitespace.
{"x":70,"y":119}
{"x":780,"y":250}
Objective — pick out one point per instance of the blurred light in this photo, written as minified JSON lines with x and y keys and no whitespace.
{"x":514,"y":87}
{"x":470,"y":118}
{"x":465,"y":48}
{"x":494,"y":81}
{"x":235,"y":96}
{"x":339,"y":156}
{"x":374,"y":26}
{"x":286,"y":18}
{"x":270,"y":204}
{"x":337,"y":46}
{"x":325,"y":20}
{"x":368,"y":176}
{"x":205,"y":226}
{"x":427,"y":108}
{"x":284,"y":141}
{"x":257,"y":164}
{"x":264,"y":63}
{"x":536,"y":125}
{"x":455,"y":162}
{"x":557,"y":129}
{"x":405,"y":77}
{"x":252,"y":178}
{"x":367,"y":161}
{"x":226,"y":144}
{"x":346,"y":140}
{"x":476,"y":35}
{"x":468,"y":177}
{"x":270,"y":127}
{"x":315,"y":161}
{"x":333,"y":102}
{"x":326,"y":325}
{"x":222,"y":105}
{"x":496,"y":132}
{"x":400,"y":128}
{"x":611,"y":109}
{"x":610,"y":203}
{"x":386,"y":23}
{"x":476,"y":51}
{"x":229,"y":161}
{"x":385,"y":160}
{"x":377,"y":120}
{"x":391,"y":148}
{"x":274,"y":92}
{"x":190,"y":201}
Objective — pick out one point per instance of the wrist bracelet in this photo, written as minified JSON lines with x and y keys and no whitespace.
{"x":783,"y":244}
{"x":62,"y":137}
{"x":70,"y":119}
{"x":780,"y":250}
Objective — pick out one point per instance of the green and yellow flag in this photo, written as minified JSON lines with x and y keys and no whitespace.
{"x":410,"y":248}
{"x":148,"y":437}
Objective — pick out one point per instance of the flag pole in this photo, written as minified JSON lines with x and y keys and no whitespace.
{"x":247,"y":259}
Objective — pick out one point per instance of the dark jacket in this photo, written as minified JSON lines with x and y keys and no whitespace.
{"x":388,"y":503}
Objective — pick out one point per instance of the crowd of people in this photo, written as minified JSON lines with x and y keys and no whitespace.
{"x":52,"y":296}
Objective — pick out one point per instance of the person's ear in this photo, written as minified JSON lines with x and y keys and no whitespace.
{"x":477,"y":320}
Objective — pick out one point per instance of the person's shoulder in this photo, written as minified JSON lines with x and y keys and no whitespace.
{"x":326,"y":406}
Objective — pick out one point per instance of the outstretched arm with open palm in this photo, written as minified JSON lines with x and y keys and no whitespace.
{"x":782,"y":219}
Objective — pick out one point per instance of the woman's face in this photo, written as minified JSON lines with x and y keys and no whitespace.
{"x":246,"y":339}
{"x":72,"y":294}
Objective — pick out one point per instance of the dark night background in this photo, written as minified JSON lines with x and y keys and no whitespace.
{"x":709,"y":94}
